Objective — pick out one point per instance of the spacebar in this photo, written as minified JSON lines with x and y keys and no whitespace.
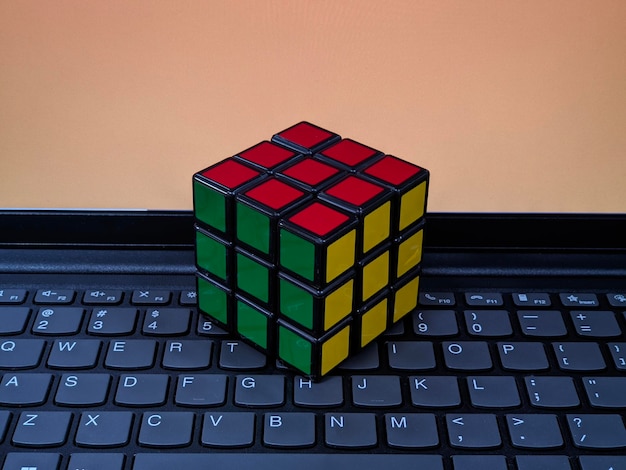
{"x":273,"y":461}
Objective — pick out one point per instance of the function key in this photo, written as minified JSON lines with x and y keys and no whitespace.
{"x":102,"y":297}
{"x":617,"y":299}
{"x":188,"y":298}
{"x":54,"y":296}
{"x":483,"y":299}
{"x":12,"y":296}
{"x":430,"y":299}
{"x":531,"y":299}
{"x":151,"y":297}
{"x":569,"y":299}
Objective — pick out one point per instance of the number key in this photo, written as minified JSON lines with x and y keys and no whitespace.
{"x":435,"y":323}
{"x":112,"y":321}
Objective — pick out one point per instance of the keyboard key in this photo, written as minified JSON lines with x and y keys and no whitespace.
{"x":473,"y":431}
{"x":350,"y":430}
{"x":32,"y":460}
{"x":188,"y":298}
{"x":24,"y":389}
{"x":142,"y":390}
{"x":467,"y":355}
{"x":597,"y":324}
{"x":618,"y":353}
{"x":200,"y":390}
{"x":542,"y":323}
{"x":260,"y":390}
{"x":13,"y":320}
{"x":166,"y":322}
{"x":597,"y":431}
{"x":411,"y":430}
{"x":5,"y":418}
{"x":74,"y":354}
{"x":536,"y":462}
{"x":326,"y":392}
{"x":484,"y":299}
{"x":366,"y":359}
{"x":534,"y":431}
{"x":12,"y":296}
{"x":532,"y":299}
{"x":151,"y":297}
{"x":441,"y":299}
{"x":237,"y":355}
{"x":411,"y":355}
{"x":602,"y":462}
{"x":376,"y":391}
{"x":54,"y":296}
{"x":21,"y":353}
{"x":166,"y":429}
{"x":96,"y":461}
{"x":207,"y":327}
{"x":289,"y":429}
{"x":435,"y":323}
{"x":102,"y":297}
{"x":552,"y":392}
{"x":578,"y":300}
{"x":224,"y":430}
{"x":523,"y":356}
{"x":579,"y":356}
{"x":58,"y":321}
{"x":42,"y":428}
{"x":493,"y":392}
{"x":187,"y":354}
{"x":131,"y":354}
{"x":617,"y":299}
{"x":606,"y":392}
{"x":479,"y":462}
{"x":491,"y":323}
{"x":434,"y":391}
{"x":277,"y":460}
{"x":83,"y":389}
{"x":100,"y":429}
{"x":112,"y":321}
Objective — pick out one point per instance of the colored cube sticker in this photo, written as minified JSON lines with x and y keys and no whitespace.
{"x":309,"y":246}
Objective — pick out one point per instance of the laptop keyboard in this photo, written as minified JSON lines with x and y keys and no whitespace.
{"x":104,"y":378}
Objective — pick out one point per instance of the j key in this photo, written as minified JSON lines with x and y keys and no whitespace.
{"x":435,"y":323}
{"x":597,"y":431}
{"x":166,"y":429}
{"x":112,"y":321}
{"x":534,"y":431}
{"x":187,"y":354}
{"x":200,"y":390}
{"x":523,"y":356}
{"x":83,"y":389}
{"x":473,"y":431}
{"x":483,"y":299}
{"x":434,"y":391}
{"x":102,"y":297}
{"x":467,"y":355}
{"x":543,"y":323}
{"x":579,"y":356}
{"x":104,"y":428}
{"x":58,"y":321}
{"x":376,"y":391}
{"x":326,"y":392}
{"x":12,"y":296}
{"x":552,"y":392}
{"x":289,"y":429}
{"x":579,"y":300}
{"x":479,"y":462}
{"x":42,"y":428}
{"x":54,"y":296}
{"x":102,"y":460}
{"x":350,"y":430}
{"x":24,"y":389}
{"x":131,"y":354}
{"x":13,"y":320}
{"x":411,"y":355}
{"x":166,"y":321}
{"x":151,"y":297}
{"x":488,"y":322}
{"x":260,"y":390}
{"x":602,"y":462}
{"x":606,"y":392}
{"x":142,"y":390}
{"x":238,"y":355}
{"x":223,"y":430}
{"x":20,"y":353}
{"x":74,"y":354}
{"x":599,"y":324}
{"x":493,"y":392}
{"x":411,"y":430}
{"x":535,"y":462}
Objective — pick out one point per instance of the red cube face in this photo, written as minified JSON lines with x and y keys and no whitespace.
{"x":308,"y":246}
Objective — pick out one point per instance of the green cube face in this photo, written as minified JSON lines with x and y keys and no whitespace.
{"x":253,"y":323}
{"x":255,"y":277}
{"x":212,"y":255}
{"x":213,"y":300}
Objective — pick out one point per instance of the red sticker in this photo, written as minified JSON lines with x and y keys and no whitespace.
{"x":319,"y":219}
{"x":230,"y":173}
{"x":274,"y":194}
{"x":393,"y":170}
{"x":354,"y":190}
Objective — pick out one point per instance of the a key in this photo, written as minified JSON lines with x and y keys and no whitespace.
{"x":58,"y":321}
{"x":434,"y":391}
{"x":42,"y":428}
{"x":350,"y":430}
{"x":112,"y":321}
{"x":260,"y":390}
{"x":492,"y":323}
{"x":199,"y":390}
{"x":13,"y":320}
{"x":20,"y":353}
{"x":579,"y":356}
{"x":473,"y":431}
{"x":534,"y":431}
{"x":166,"y":429}
{"x":142,"y":390}
{"x":602,"y":462}
{"x":484,"y":299}
{"x":101,"y":461}
{"x":289,"y":429}
{"x":467,"y":355}
{"x":618,"y":354}
{"x":601,"y":431}
{"x":535,"y":462}
{"x":187,"y":354}
{"x":326,"y":392}
{"x":101,"y":429}
{"x":54,"y":296}
{"x":551,"y":392}
{"x":130,"y":354}
{"x":571,"y":299}
{"x":226,"y":429}
{"x":437,"y":299}
{"x":376,"y":391}
{"x":411,"y":355}
{"x":523,"y":356}
{"x":606,"y":392}
{"x":102,"y":297}
{"x":83,"y":389}
{"x":532,"y":299}
{"x":411,"y":430}
{"x":166,"y":321}
{"x":237,"y":355}
{"x":367,"y":359}
{"x":493,"y":392}
{"x":479,"y":462}
{"x":542,"y":323}
{"x":597,"y":324}
{"x":74,"y":354}
{"x":12,"y":296}
{"x":435,"y":323}
{"x":30,"y":460}
{"x":151,"y":297}
{"x":19,"y":389}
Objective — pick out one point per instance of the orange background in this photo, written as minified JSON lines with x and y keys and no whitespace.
{"x":513,"y":106}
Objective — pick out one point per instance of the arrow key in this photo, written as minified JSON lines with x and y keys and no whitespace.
{"x":534,"y":431}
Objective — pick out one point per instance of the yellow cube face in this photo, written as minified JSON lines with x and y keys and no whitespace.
{"x":409,"y":253}
{"x":340,"y":255}
{"x":335,"y":350}
{"x":375,"y":275}
{"x":374,"y":322}
{"x":405,"y":299}
{"x":412,"y":205}
{"x":338,"y":305}
{"x":376,"y":226}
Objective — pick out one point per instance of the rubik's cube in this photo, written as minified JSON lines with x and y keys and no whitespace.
{"x":309,"y":246}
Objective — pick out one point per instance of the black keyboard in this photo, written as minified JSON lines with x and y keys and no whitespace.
{"x":515,"y":358}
